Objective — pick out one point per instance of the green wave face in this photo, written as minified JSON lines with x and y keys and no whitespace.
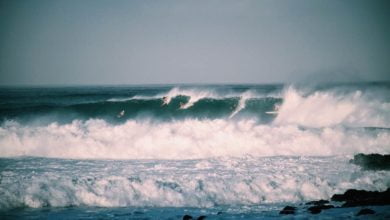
{"x":116,"y":111}
{"x":360,"y":105}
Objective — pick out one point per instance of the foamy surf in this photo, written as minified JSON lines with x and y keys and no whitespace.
{"x":327,"y":108}
{"x":188,"y":139}
{"x":188,"y":183}
{"x":239,"y":150}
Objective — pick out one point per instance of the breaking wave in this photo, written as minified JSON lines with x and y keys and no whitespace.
{"x":196,"y":123}
{"x":172,"y":105}
{"x":323,"y":109}
{"x":186,"y":139}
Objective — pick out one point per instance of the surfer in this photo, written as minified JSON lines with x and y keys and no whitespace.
{"x":165,"y":101}
{"x":121,"y":114}
{"x":275,"y":111}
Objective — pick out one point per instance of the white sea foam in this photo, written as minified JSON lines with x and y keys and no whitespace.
{"x":327,"y":108}
{"x":184,"y":139}
{"x":194,"y":183}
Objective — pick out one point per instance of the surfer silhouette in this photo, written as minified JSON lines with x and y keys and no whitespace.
{"x":165,"y":101}
{"x":275,"y":111}
{"x":121,"y":114}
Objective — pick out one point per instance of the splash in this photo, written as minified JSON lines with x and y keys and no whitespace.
{"x":328,"y":108}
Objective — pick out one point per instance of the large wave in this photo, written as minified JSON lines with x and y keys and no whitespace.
{"x":207,"y":124}
{"x":184,"y":140}
{"x":171,"y":105}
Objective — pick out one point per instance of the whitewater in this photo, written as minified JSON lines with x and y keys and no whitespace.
{"x":163,"y":151}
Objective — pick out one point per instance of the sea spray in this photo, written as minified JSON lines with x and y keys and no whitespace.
{"x":187,"y":139}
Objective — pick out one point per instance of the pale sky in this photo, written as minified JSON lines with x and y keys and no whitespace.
{"x":52,"y":42}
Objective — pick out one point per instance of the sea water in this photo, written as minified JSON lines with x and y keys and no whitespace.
{"x":164,"y":151}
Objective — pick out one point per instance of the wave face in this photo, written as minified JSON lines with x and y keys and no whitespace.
{"x":64,"y":105}
{"x":189,"y":146}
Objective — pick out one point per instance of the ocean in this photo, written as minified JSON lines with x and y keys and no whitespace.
{"x":165,"y":151}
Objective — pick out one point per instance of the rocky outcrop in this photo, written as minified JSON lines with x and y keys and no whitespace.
{"x":353,"y":197}
{"x":318,"y":208}
{"x":318,"y":202}
{"x":288,"y":210}
{"x":189,"y":217}
{"x":372,"y":161}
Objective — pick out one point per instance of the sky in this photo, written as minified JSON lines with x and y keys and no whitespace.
{"x":87,"y":42}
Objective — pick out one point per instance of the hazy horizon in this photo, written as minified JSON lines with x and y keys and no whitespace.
{"x":193,"y":42}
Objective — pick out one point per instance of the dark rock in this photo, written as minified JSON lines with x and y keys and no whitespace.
{"x":318,"y":208}
{"x":202,"y":217}
{"x":187,"y":217}
{"x":319,"y":202}
{"x":353,"y":197}
{"x":372,"y":161}
{"x":138,"y":213}
{"x":314,"y":210}
{"x":366,"y":212}
{"x":288,"y":210}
